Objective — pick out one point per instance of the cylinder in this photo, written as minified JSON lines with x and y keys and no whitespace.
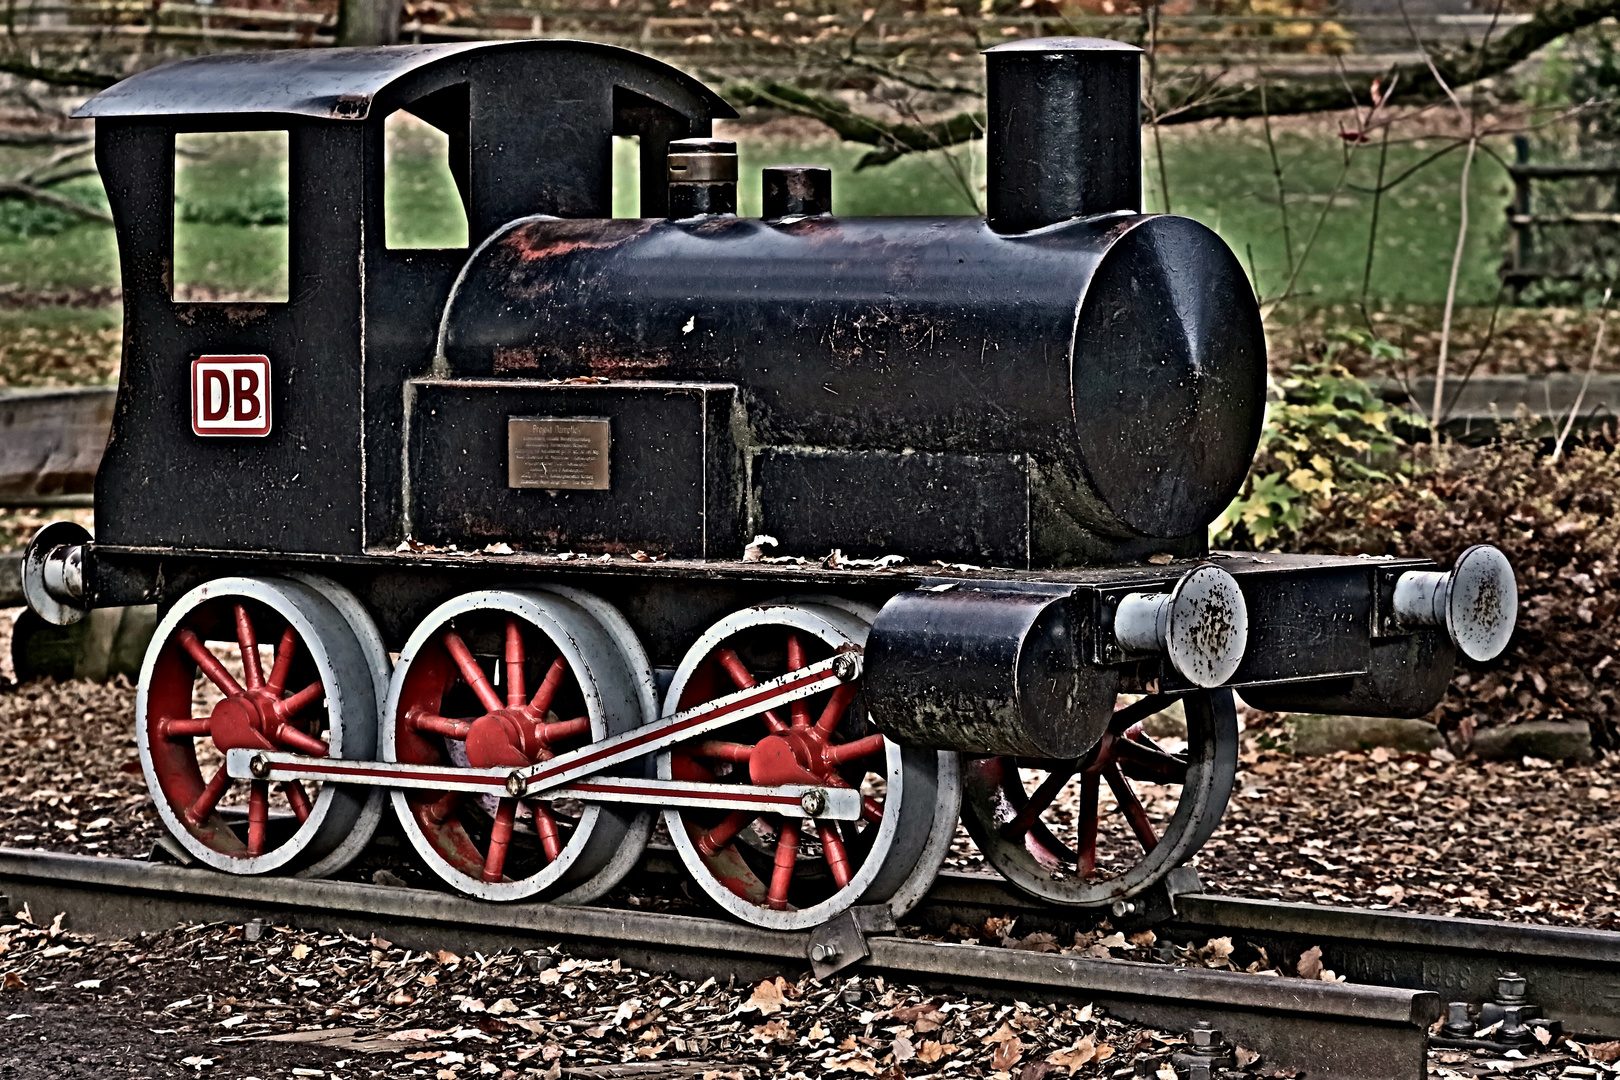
{"x":797,"y":191}
{"x":1064,"y":131}
{"x":702,"y":177}
{"x":988,"y":671}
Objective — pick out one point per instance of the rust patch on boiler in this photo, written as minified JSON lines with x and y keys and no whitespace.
{"x":553,"y":238}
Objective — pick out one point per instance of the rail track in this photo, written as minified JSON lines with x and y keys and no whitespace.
{"x":1375,"y":1026}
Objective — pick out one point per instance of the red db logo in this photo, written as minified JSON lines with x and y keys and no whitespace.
{"x":230,"y":395}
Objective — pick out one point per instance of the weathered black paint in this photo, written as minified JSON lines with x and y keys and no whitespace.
{"x":1064,"y":138}
{"x":1139,"y":416}
{"x":1054,"y":405}
{"x":988,"y":670}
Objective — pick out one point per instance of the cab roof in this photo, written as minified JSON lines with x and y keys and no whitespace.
{"x":326,"y":84}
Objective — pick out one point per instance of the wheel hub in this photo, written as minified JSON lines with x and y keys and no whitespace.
{"x":791,"y":757}
{"x":245,"y":721}
{"x":505,"y":738}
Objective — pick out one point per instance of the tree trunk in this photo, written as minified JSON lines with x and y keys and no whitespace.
{"x":368,"y":22}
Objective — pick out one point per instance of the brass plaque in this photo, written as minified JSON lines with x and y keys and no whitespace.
{"x":557,"y":453}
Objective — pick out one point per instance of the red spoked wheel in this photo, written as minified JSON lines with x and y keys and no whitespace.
{"x":1111,"y":824}
{"x":509,"y":679}
{"x":259,"y":664}
{"x":788,"y":872}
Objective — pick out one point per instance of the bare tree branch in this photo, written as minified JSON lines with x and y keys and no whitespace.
{"x":1207,"y":99}
{"x":79,"y":77}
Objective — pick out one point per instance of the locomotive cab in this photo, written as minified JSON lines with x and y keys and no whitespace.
{"x":529,"y":127}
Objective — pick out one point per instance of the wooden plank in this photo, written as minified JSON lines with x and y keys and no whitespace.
{"x":51,"y":441}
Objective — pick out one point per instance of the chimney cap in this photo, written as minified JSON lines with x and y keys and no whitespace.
{"x":1063,"y":44}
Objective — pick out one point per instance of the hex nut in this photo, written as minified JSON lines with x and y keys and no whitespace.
{"x":1511,"y":987}
{"x":1204,"y":1038}
{"x":813,"y":802}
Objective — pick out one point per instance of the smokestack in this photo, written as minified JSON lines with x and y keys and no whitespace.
{"x":1065,"y":131}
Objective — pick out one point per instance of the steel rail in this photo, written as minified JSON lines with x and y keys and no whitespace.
{"x":1573,"y":973}
{"x":1338,"y":1030}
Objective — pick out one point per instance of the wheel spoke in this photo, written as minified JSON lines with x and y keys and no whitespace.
{"x":515,"y":695}
{"x":294,"y":738}
{"x":439,"y":810}
{"x":258,"y":816}
{"x":500,"y":837}
{"x":1089,"y":783}
{"x":438,"y":725}
{"x":796,"y":661}
{"x":724,"y":833}
{"x":1149,"y":763}
{"x":842,"y":695}
{"x":471,"y":673}
{"x":1037,"y":803}
{"x":720,"y":750}
{"x":787,"y":857}
{"x":292,"y":706}
{"x":545,"y":827}
{"x":855,"y":751}
{"x":285,"y":650}
{"x":249,"y":642}
{"x":1138,"y":711}
{"x":198,"y":812}
{"x":744,"y":680}
{"x":1131,"y":807}
{"x":871,"y":809}
{"x":298,"y":798}
{"x":563,"y":729}
{"x":188,"y":727}
{"x":207,"y":662}
{"x":832,"y":849}
{"x":547,"y":693}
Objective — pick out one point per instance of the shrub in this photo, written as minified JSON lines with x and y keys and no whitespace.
{"x":1324,"y":428}
{"x":1558,"y":523}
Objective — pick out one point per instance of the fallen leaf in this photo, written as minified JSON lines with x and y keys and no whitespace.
{"x":1606,"y":1052}
{"x":1310,"y":963}
{"x":1003,"y":1034}
{"x":1083,"y":1052}
{"x":13,"y":981}
{"x":768,"y":997}
{"x":503,"y":1007}
{"x":1006,"y":1055}
{"x":300,"y":951}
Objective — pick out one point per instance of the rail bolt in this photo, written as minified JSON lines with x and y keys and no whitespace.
{"x":1510,"y":988}
{"x":823,"y":951}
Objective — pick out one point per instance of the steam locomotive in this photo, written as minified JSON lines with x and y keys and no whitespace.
{"x":483,"y":537}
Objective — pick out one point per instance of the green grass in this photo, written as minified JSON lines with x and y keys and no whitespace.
{"x":233,"y":243}
{"x":230,"y":216}
{"x":421,"y":207}
{"x":1225,"y":179}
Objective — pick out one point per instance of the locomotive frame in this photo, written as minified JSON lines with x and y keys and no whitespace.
{"x":678,"y":375}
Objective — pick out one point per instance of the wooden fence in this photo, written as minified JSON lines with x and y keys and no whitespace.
{"x":725,"y":32}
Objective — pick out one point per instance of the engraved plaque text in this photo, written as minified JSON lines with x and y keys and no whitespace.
{"x":557,"y":453}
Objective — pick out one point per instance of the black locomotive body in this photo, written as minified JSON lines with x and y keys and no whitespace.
{"x":479,"y":538}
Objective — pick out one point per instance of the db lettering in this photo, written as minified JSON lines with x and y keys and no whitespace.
{"x":230,"y":395}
